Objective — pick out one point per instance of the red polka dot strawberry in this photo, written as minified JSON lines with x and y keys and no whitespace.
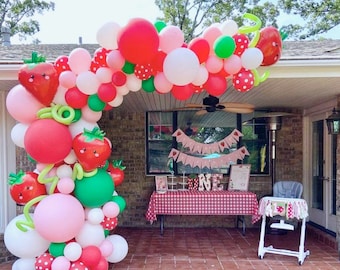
{"x":109,"y":223}
{"x":44,"y":262}
{"x":270,"y":43}
{"x":243,"y":81}
{"x":39,"y":78}
{"x":92,"y":149}
{"x":24,"y":186}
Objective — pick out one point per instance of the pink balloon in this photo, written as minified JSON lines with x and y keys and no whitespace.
{"x":67,"y":79}
{"x":115,"y":60}
{"x":106,"y":248}
{"x":59,"y":217}
{"x":22,"y":105}
{"x":170,"y":38}
{"x":214,"y":64}
{"x":65,"y":185}
{"x":61,"y":263}
{"x":111,"y":209}
{"x":89,"y":115}
{"x":79,"y":60}
{"x":233,"y":64}
{"x":211,"y":34}
{"x":161,"y":83}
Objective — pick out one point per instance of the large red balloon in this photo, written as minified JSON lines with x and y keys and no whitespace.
{"x":215,"y":85}
{"x":138,"y":41}
{"x":75,"y":98}
{"x":48,"y":141}
{"x":90,"y":256}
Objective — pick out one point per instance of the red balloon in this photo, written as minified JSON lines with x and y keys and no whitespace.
{"x":90,"y":256}
{"x":157,"y":62}
{"x":201,"y":48}
{"x":143,"y":71}
{"x":102,"y":265}
{"x":48,"y":141}
{"x":78,"y":265}
{"x":244,"y":80}
{"x":61,"y":64}
{"x":241,"y":42}
{"x":182,"y":92}
{"x":215,"y":85}
{"x":100,"y":56}
{"x":138,"y":41}
{"x":75,"y":98}
{"x":118,"y":78}
{"x":107,"y":92}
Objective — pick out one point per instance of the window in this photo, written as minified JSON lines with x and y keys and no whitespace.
{"x":202,"y":128}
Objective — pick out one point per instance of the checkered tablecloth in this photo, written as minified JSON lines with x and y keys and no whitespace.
{"x":203,"y":203}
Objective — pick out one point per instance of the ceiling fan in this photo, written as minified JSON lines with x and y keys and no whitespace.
{"x":212,"y":104}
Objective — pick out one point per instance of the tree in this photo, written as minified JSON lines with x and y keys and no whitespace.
{"x":16,"y":16}
{"x":192,"y":16}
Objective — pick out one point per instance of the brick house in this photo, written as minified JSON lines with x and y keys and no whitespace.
{"x":304,"y":82}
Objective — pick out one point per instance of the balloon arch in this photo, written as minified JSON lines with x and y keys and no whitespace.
{"x":70,"y":203}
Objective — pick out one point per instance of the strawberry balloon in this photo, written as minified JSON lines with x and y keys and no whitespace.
{"x":270,"y":43}
{"x":92,"y":148}
{"x":39,"y":78}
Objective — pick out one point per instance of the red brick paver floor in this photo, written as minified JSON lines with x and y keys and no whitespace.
{"x":216,"y":248}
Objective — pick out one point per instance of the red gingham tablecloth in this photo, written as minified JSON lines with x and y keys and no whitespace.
{"x":203,"y":203}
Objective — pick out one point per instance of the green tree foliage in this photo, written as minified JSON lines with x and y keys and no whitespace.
{"x":18,"y":16}
{"x":311,"y":18}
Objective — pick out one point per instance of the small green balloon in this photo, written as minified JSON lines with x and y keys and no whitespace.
{"x":95,"y":103}
{"x":224,"y":46}
{"x":77,"y":115}
{"x":148,"y":85}
{"x":128,"y":68}
{"x":159,"y":25}
{"x":57,"y":249}
{"x":120,"y":201}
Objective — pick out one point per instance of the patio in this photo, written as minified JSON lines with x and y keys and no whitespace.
{"x":219,"y":248}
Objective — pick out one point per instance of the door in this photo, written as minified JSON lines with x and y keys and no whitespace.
{"x":323,"y":175}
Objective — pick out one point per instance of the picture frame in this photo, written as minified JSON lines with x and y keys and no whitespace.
{"x":239,"y":177}
{"x":161,"y":182}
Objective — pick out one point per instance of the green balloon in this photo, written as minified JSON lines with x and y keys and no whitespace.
{"x":128,"y":68}
{"x":96,"y":190}
{"x":159,"y":25}
{"x":57,"y":249}
{"x":148,"y":85}
{"x":77,"y":115}
{"x":120,"y":201}
{"x":224,"y":46}
{"x":95,"y":103}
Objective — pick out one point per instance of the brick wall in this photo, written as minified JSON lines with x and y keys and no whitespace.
{"x":127,"y":134}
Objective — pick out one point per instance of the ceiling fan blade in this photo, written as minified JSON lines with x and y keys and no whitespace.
{"x":237,"y":105}
{"x":201,"y":112}
{"x":238,"y":110}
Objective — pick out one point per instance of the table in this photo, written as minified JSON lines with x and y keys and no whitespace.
{"x":289,"y":209}
{"x":192,"y":202}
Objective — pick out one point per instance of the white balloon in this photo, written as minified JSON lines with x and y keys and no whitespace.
{"x":71,"y":158}
{"x":107,"y":35}
{"x":19,"y":243}
{"x":90,"y":234}
{"x":64,"y":171}
{"x":229,"y":28}
{"x":95,"y":216}
{"x":18,"y":133}
{"x":202,"y":76}
{"x":133,"y":83}
{"x":89,"y":115}
{"x":181,"y":66}
{"x":24,"y":264}
{"x":120,"y":248}
{"x":59,"y":97}
{"x":88,"y":83}
{"x":251,"y":58}
{"x":122,"y":90}
{"x":78,"y":127}
{"x":72,"y":251}
{"x":117,"y":101}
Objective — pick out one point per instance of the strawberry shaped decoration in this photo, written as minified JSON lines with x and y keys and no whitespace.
{"x":25,"y":187}
{"x":270,"y":43}
{"x":92,"y":148}
{"x":39,"y":78}
{"x":116,"y":170}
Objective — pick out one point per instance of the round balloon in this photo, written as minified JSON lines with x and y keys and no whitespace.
{"x":120,"y":248}
{"x":48,"y":141}
{"x":138,"y":41}
{"x":59,"y":217}
{"x":107,"y":35}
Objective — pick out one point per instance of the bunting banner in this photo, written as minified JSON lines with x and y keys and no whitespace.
{"x":210,"y":163}
{"x":203,"y":148}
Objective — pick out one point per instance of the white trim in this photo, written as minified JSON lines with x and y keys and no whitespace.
{"x":7,"y":164}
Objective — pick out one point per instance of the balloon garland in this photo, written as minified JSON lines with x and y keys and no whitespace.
{"x":57,"y":107}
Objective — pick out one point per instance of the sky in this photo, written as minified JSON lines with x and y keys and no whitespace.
{"x":72,"y":19}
